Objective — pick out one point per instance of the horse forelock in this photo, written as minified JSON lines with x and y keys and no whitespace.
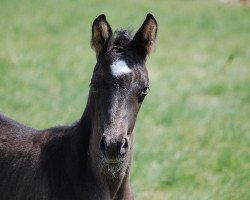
{"x":121,"y":38}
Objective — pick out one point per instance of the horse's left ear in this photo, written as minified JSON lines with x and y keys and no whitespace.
{"x":101,"y":33}
{"x":145,"y":37}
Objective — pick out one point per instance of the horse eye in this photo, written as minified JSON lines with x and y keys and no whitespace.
{"x":143,"y":93}
{"x":145,"y":90}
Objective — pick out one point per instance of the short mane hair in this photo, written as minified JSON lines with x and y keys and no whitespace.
{"x":122,"y":37}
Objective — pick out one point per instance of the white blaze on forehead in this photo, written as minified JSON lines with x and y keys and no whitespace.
{"x":119,"y":68}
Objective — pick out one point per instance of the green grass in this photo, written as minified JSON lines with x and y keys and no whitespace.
{"x":193,"y":131}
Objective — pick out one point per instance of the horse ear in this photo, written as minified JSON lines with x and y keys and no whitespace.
{"x":145,"y":37}
{"x":101,"y":33}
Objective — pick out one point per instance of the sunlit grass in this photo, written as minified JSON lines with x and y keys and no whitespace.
{"x":193,"y":131}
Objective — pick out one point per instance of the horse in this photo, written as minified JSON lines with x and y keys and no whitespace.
{"x":91,"y":158}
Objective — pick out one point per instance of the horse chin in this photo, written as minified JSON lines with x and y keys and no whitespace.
{"x":113,"y":167}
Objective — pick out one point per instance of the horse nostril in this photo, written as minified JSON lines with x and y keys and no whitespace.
{"x":125,"y":143}
{"x":103,"y":145}
{"x":124,"y":146}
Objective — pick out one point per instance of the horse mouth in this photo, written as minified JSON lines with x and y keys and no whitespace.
{"x":113,"y":162}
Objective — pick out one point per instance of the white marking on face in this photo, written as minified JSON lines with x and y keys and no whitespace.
{"x":119,"y":68}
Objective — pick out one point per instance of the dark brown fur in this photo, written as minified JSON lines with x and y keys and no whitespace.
{"x":81,"y":161}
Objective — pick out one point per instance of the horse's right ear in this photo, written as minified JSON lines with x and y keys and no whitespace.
{"x":101,"y":33}
{"x":144,"y":39}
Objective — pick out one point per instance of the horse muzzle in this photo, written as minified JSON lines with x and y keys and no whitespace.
{"x":114,"y":149}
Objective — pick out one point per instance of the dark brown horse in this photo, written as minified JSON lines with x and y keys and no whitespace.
{"x":91,"y":158}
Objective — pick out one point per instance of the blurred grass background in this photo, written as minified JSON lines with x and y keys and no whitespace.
{"x":193,"y":131}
